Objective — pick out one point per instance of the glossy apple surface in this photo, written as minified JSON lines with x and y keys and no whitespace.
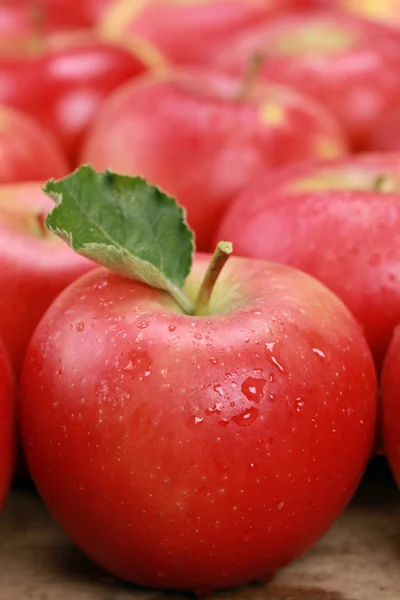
{"x":198,"y":452}
{"x":390,"y":405}
{"x":67,"y":80}
{"x":34,"y":265}
{"x":185,"y":32}
{"x":349,"y":65}
{"x":7,"y":424}
{"x":196,"y":134}
{"x":28,"y":150}
{"x":338,"y":221}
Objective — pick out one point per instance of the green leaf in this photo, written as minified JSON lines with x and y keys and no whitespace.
{"x":126,"y":225}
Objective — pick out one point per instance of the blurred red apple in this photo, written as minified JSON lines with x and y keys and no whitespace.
{"x":185,"y":32}
{"x":34,"y":265}
{"x":338,"y":221}
{"x":390,"y":405}
{"x":64,"y":82}
{"x":203,"y":136}
{"x":348,"y":64}
{"x":28,"y":151}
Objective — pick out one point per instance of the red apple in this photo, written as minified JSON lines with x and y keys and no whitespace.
{"x":186,"y":32}
{"x":203,"y":136}
{"x":386,"y":135}
{"x":7,"y":424}
{"x":34,"y":265}
{"x":28,"y":151}
{"x":65,"y":81}
{"x":190,"y":451}
{"x":348,"y":64}
{"x":338,"y":221}
{"x":390,"y":405}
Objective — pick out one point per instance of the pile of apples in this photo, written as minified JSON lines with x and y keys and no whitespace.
{"x":195,"y":420}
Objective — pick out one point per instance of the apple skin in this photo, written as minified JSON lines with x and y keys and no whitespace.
{"x":326,"y":219}
{"x":188,"y":32}
{"x":386,"y":135}
{"x":332,"y":57}
{"x":7,"y":424}
{"x":192,"y":452}
{"x":74,"y":73}
{"x":189,"y":132}
{"x":390,"y":405}
{"x":33,"y":268}
{"x":28,"y":150}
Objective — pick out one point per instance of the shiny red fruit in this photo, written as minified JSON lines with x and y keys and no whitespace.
{"x":338,"y":221}
{"x":28,"y":151}
{"x":34,"y":265}
{"x":348,"y":64}
{"x":184,"y":32}
{"x":64,"y":83}
{"x":196,"y":452}
{"x":203,"y":136}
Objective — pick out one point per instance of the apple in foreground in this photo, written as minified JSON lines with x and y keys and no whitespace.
{"x":390,"y":405}
{"x":349,"y":65}
{"x":202,"y":136}
{"x":28,"y":150}
{"x":196,"y":439}
{"x":34,"y":265}
{"x":186,"y":32}
{"x":338,"y":221}
{"x":7,"y":424}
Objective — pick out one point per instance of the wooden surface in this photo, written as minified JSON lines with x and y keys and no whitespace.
{"x":359,"y":559}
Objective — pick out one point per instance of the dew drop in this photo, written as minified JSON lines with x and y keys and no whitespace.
{"x":213,"y":361}
{"x":143,"y":324}
{"x":138,"y":365}
{"x":198,"y":336}
{"x":80,"y":326}
{"x":298,"y":405}
{"x":247,"y":417}
{"x":81,"y":487}
{"x":272,"y":397}
{"x":216,"y":409}
{"x":218,"y":388}
{"x":319,"y":353}
{"x":253,"y":389}
{"x":272,"y":354}
{"x":171,"y":327}
{"x":223,"y":422}
{"x":272,"y":377}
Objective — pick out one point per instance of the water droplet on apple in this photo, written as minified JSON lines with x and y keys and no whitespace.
{"x":218,"y":388}
{"x":257,"y":312}
{"x":272,"y":377}
{"x":80,"y":326}
{"x":143,"y":324}
{"x":223,"y":422}
{"x":81,"y":487}
{"x":272,"y":397}
{"x":138,"y":365}
{"x":215,"y":409}
{"x":246,"y":340}
{"x":213,"y":361}
{"x":171,"y":327}
{"x":198,"y":336}
{"x":319,"y":353}
{"x":298,"y":405}
{"x":246,"y":417}
{"x":272,"y":354}
{"x":253,"y":389}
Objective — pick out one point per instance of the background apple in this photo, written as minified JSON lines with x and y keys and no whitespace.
{"x":7,"y":424}
{"x":185,"y":32}
{"x":67,"y":79}
{"x":333,"y":57}
{"x":338,"y":221}
{"x":34,"y":265}
{"x":28,"y":150}
{"x":202,"y":136}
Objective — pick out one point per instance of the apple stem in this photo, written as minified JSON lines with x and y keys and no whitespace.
{"x":252,"y":72}
{"x":220,"y":256}
{"x":384,"y":184}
